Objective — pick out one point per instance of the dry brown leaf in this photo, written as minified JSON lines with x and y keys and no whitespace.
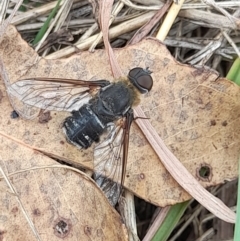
{"x":169,"y":160}
{"x":60,"y":202}
{"x":194,"y":112}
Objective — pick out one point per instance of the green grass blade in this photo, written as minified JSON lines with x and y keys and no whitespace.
{"x":44,"y":28}
{"x":234,"y":75}
{"x":171,"y":220}
{"x":234,"y":72}
{"x":237,"y":224}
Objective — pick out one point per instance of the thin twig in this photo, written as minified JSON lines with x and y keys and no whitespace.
{"x":27,"y":217}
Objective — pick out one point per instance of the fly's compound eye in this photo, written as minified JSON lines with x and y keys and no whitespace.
{"x":141,"y":79}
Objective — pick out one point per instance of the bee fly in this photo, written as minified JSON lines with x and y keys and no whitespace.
{"x":108,"y":112}
{"x":112,"y":102}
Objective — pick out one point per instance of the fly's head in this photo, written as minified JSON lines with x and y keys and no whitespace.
{"x":141,"y":79}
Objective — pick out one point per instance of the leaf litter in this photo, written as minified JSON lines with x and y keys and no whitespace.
{"x":62,"y":202}
{"x":213,"y":123}
{"x":182,"y":107}
{"x":170,"y":162}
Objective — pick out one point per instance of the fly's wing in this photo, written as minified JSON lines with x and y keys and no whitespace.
{"x":110,"y":158}
{"x":50,"y":94}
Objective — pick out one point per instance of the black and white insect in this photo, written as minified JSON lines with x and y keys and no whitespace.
{"x":97,"y":108}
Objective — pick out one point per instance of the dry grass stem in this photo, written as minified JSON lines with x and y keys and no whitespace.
{"x":29,"y":220}
{"x":204,"y":54}
{"x":169,"y":19}
{"x":3,"y":9}
{"x":10,"y":17}
{"x":207,"y":19}
{"x":114,"y":32}
{"x":232,"y":43}
{"x":34,"y":13}
{"x":118,"y":7}
{"x":157,"y":223}
{"x":207,"y":235}
{"x":54,"y":22}
{"x":223,"y":11}
{"x":127,"y":210}
{"x":51,"y":166}
{"x":64,"y":15}
{"x":139,"y":7}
